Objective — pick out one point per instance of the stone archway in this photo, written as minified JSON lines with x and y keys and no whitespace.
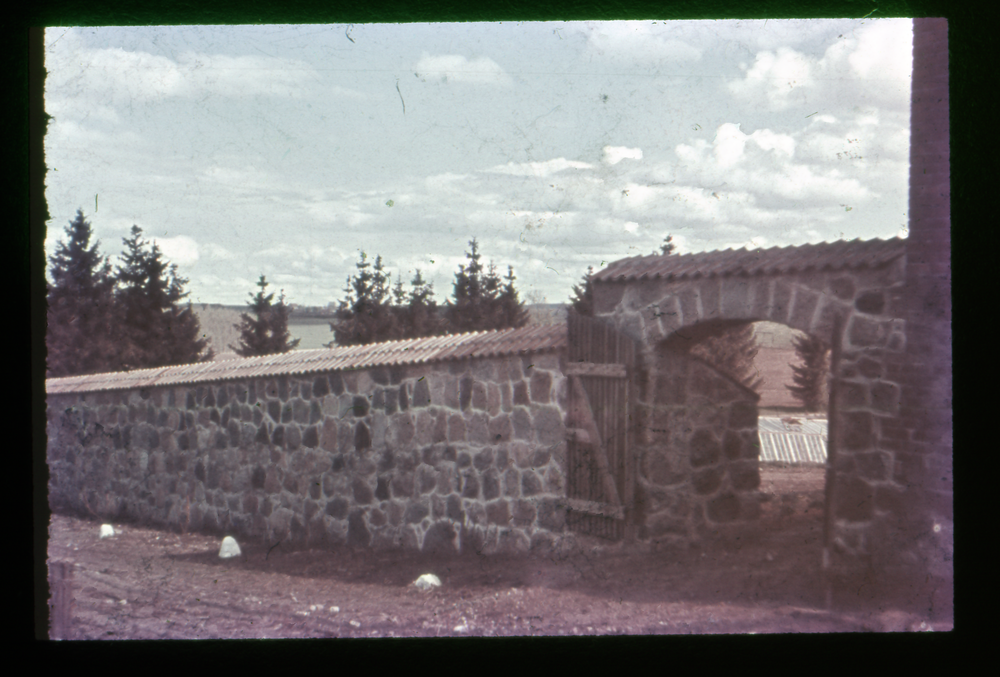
{"x":857,"y":286}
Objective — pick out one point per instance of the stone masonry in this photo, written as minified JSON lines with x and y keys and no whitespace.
{"x":698,"y":472}
{"x":870,"y":474}
{"x":443,"y":456}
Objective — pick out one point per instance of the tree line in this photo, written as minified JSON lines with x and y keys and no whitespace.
{"x":376,"y":310}
{"x":104,"y":318}
{"x":117,"y":318}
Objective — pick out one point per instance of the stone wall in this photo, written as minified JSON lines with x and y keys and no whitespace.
{"x":698,"y":471}
{"x":875,"y":476}
{"x":450,"y":456}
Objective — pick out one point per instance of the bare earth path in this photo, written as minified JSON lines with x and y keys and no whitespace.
{"x":149,"y":584}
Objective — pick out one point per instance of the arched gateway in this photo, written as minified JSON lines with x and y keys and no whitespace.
{"x":693,"y":441}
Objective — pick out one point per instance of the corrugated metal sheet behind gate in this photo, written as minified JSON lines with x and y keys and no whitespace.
{"x":792,"y":440}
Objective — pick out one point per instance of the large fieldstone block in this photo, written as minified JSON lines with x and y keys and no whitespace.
{"x":498,"y":512}
{"x":743,"y":415}
{"x":491,"y":484}
{"x":523,"y":513}
{"x":521,"y":421}
{"x":470,"y":485}
{"x":551,"y":515}
{"x":704,"y":448}
{"x":441,"y":538}
{"x":531,"y":483}
{"x":662,"y":467}
{"x":707,"y":480}
{"x":855,"y":498}
{"x":744,"y":475}
{"x":548,"y":425}
{"x":357,"y":529}
{"x":362,"y":491}
{"x":415,"y":512}
{"x":724,"y":508}
{"x":858,"y":430}
{"x":421,"y":394}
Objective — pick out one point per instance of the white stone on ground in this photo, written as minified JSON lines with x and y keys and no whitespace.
{"x":230,"y":548}
{"x":427,"y":581}
{"x":107,"y":531}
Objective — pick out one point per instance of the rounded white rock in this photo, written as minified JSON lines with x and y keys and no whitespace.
{"x":107,"y":531}
{"x":427,"y":581}
{"x":230,"y":548}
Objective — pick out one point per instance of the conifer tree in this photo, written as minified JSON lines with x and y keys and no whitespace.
{"x":266,"y":331}
{"x":512,"y":310}
{"x":810,"y":377}
{"x":583,"y":295}
{"x":81,"y":312}
{"x":420,"y":316}
{"x":732,"y":352}
{"x":481,"y":300}
{"x":668,"y":247}
{"x":156,"y":330}
{"x":366,"y":314}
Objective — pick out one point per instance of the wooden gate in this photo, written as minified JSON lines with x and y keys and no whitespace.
{"x":600,"y":482}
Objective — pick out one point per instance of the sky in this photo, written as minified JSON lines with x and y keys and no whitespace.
{"x":289,"y":150}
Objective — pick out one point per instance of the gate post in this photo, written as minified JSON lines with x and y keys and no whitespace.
{"x":61,"y":600}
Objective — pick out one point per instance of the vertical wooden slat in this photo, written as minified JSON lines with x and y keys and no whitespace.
{"x":60,"y":604}
{"x":593,"y":341}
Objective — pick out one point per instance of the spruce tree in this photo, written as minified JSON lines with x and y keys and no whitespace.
{"x":582,"y":302}
{"x":668,"y":247}
{"x":156,"y":329}
{"x":481,"y":300}
{"x":732,"y":352}
{"x":366,"y":314}
{"x":266,"y":331}
{"x":512,"y":310}
{"x":420,"y":316}
{"x":810,"y":377}
{"x":80,"y":335}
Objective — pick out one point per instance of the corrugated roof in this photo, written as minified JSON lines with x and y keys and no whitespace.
{"x":533,"y":338}
{"x":830,"y":256}
{"x":792,"y":440}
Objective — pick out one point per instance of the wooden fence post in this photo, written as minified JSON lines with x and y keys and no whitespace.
{"x":61,"y":600}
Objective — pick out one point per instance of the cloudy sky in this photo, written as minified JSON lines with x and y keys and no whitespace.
{"x":289,"y":150}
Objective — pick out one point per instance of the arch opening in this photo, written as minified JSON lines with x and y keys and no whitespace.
{"x":708,"y":392}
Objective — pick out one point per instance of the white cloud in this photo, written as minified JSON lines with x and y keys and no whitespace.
{"x":118,"y":77}
{"x":615,"y":154}
{"x":728,"y":144}
{"x":874,"y":61}
{"x":780,"y":78}
{"x":457,"y":68}
{"x":639,"y":41}
{"x":884,"y":51}
{"x":539,"y":169}
{"x":217,"y":252}
{"x":180,"y":249}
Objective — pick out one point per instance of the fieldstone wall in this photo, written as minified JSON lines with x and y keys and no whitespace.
{"x":875,"y":473}
{"x":698,"y":473}
{"x":446,"y":456}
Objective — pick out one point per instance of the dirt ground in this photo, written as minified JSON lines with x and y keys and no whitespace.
{"x":149,"y":584}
